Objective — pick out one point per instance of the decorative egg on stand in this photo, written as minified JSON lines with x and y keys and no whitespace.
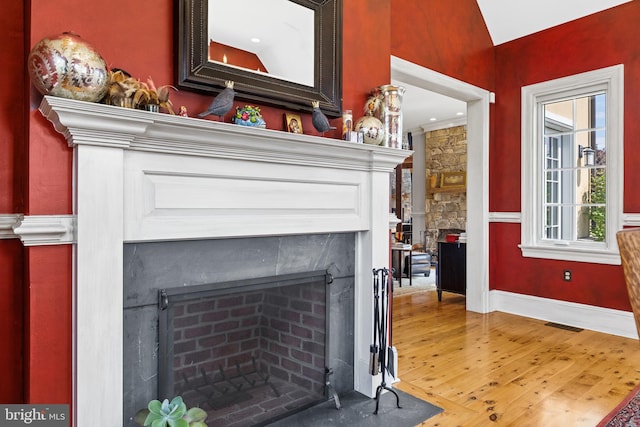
{"x":369,"y":125}
{"x":68,"y":67}
{"x":249,"y":115}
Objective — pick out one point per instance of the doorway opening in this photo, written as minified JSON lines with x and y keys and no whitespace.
{"x":477,"y":100}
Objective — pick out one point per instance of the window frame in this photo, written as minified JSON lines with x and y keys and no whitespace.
{"x":532,"y":244}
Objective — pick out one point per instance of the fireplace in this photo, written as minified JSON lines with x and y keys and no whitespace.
{"x":144,"y":178}
{"x":201,"y":315}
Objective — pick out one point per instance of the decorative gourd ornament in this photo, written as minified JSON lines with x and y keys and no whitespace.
{"x":371,"y":127}
{"x":68,"y":67}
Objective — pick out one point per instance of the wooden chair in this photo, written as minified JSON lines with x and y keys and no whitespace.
{"x":629,"y":244}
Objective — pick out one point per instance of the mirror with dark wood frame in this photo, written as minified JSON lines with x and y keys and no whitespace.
{"x":197,"y":70}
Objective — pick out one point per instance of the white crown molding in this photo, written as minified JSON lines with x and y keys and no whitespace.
{"x":393,"y":221}
{"x":416,"y":131}
{"x":444,"y":124}
{"x":39,"y":230}
{"x":606,"y":320}
{"x":7,"y":222}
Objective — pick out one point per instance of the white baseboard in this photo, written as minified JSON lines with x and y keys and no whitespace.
{"x":609,"y":321}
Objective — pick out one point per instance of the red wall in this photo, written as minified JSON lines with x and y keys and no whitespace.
{"x":596,"y":41}
{"x":143,"y":47}
{"x":365,"y":51}
{"x":448,"y":37}
{"x":12,"y":159}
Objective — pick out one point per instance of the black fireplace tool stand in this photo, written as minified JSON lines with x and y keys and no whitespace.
{"x":381,"y":352}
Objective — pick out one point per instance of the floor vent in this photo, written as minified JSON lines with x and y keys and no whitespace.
{"x":565,"y":327}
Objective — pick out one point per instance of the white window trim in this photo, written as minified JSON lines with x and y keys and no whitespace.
{"x":531,"y":245}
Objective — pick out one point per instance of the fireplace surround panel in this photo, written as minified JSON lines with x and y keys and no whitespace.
{"x":151,"y":266}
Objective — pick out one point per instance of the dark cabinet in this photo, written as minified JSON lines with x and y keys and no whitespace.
{"x":452,"y":268}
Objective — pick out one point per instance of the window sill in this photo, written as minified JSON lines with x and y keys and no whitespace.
{"x":565,"y":253}
{"x":447,"y":190}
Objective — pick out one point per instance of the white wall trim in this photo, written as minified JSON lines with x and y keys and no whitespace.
{"x":477,"y":100}
{"x":631,"y":219}
{"x":611,"y":80}
{"x":444,"y":124}
{"x":7,"y":222}
{"x":35,"y":230}
{"x":606,"y":320}
{"x":514,"y":217}
{"x":628,"y":219}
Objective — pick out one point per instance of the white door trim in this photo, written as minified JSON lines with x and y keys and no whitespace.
{"x":477,"y":100}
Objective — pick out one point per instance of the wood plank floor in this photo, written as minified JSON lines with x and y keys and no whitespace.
{"x":502,"y":369}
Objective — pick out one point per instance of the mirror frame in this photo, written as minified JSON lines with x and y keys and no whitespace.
{"x":195,"y":72}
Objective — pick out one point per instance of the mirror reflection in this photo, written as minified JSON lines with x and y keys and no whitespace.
{"x":308,"y":65}
{"x":275,"y":38}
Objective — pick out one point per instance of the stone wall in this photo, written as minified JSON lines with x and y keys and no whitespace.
{"x":446,"y":151}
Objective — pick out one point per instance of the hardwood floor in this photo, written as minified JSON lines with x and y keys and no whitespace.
{"x":502,"y":369}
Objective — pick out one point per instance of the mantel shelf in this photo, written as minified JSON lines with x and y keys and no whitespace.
{"x":93,"y":124}
{"x":447,"y":190}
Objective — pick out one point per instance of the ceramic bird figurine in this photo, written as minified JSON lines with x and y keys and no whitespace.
{"x":222,"y":103}
{"x":319,"y":120}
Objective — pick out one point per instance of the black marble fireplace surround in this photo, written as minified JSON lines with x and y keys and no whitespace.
{"x":150,"y":267}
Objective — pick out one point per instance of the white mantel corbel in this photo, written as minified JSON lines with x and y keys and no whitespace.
{"x":141,"y":176}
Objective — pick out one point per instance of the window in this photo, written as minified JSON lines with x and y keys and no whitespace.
{"x":572,"y":159}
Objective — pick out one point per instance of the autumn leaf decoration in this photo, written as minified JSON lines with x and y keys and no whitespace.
{"x":126,"y":91}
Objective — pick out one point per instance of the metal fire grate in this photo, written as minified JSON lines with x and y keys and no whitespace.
{"x":220,"y":375}
{"x":229,"y":388}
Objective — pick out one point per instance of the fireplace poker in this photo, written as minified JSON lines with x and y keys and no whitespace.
{"x":373,"y":348}
{"x":382,"y":323}
{"x":392,"y":352}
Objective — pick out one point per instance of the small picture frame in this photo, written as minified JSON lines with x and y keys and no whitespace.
{"x":293,"y":123}
{"x":453,"y":179}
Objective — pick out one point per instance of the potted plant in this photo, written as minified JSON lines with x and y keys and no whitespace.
{"x":170,"y":414}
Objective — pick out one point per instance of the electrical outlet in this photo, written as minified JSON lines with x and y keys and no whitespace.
{"x":567,"y":275}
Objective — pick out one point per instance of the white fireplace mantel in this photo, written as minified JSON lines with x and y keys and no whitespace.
{"x":141,"y":176}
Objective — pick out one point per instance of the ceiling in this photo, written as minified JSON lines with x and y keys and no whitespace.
{"x":506,"y":20}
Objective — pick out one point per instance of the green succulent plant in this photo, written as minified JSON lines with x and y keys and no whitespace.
{"x":170,"y":414}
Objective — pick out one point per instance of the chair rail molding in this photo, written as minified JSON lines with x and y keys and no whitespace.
{"x":628,"y":219}
{"x":36,"y":230}
{"x":505,"y":217}
{"x":7,"y":222}
{"x":631,"y":219}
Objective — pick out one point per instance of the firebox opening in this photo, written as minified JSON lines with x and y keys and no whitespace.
{"x":246,"y":351}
